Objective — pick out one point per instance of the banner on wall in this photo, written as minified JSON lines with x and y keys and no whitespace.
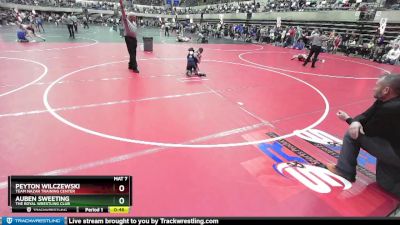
{"x":382,"y":25}
{"x":278,"y":21}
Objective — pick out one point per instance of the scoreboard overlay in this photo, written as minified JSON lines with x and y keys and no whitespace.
{"x":88,"y":194}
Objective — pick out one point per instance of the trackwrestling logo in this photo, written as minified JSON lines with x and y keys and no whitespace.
{"x":304,"y":168}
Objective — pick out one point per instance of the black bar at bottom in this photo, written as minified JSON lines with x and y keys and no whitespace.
{"x":216,"y":221}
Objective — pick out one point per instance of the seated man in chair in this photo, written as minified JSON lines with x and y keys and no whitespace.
{"x":377,"y":131}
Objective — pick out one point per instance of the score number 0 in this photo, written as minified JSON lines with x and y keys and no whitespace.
{"x":121,"y":188}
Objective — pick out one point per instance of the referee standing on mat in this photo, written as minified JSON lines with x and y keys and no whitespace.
{"x":316,"y":47}
{"x":130,"y":37}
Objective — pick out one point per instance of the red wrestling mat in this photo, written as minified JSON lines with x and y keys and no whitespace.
{"x":223,"y":145}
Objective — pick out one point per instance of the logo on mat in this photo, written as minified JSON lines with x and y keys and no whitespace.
{"x":9,"y":220}
{"x":302,"y":167}
{"x":315,"y":178}
{"x":332,"y":146}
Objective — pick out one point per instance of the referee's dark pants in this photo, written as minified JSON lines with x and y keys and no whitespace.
{"x":131,"y":44}
{"x":315,"y":50}
{"x":71,"y":30}
{"x":388,"y":162}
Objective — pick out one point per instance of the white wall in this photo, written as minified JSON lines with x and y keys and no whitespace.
{"x":392,"y":16}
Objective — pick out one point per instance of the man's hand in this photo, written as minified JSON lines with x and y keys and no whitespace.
{"x":355,"y":129}
{"x":342,"y":115}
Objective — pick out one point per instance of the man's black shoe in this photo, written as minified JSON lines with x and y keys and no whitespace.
{"x":337,"y":171}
